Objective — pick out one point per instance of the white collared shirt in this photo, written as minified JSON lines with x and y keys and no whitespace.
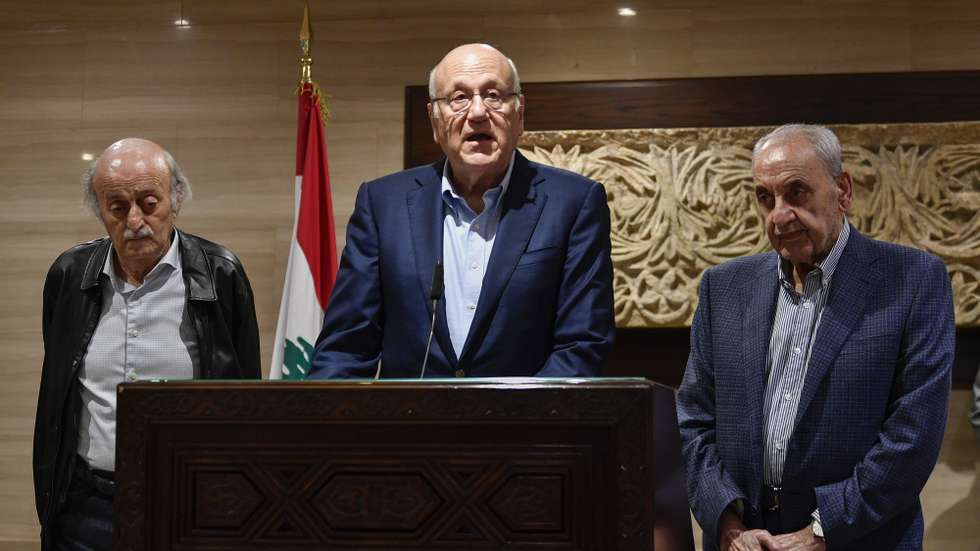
{"x":144,"y":332}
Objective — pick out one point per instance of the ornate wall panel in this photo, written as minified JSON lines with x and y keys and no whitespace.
{"x":681,"y":201}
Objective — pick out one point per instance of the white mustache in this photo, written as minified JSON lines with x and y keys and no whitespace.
{"x":130,"y":235}
{"x":788,"y":229}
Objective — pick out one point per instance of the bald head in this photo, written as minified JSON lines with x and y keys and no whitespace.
{"x":479,"y":57}
{"x":131,"y":158}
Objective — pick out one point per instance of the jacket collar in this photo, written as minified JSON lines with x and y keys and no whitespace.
{"x":846,"y":302}
{"x":93,"y":267}
{"x":424,"y":208}
{"x":194,"y":264}
{"x":760,"y":293}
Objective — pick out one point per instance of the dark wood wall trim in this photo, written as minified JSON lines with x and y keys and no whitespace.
{"x":727,"y":101}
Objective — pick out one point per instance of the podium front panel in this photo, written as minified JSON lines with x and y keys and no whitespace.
{"x":482,"y":464}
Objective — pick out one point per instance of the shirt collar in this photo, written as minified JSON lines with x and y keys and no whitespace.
{"x":490,"y":196}
{"x":827,"y":266}
{"x":171,"y":259}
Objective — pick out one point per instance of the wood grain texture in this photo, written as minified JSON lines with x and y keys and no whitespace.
{"x":219,"y":94}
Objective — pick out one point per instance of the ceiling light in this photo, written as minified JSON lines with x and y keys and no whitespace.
{"x":626,"y":12}
{"x":182,"y":23}
{"x":87,"y":156}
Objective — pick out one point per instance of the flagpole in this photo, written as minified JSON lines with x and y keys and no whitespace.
{"x":305,"y":38}
{"x":312,"y":266}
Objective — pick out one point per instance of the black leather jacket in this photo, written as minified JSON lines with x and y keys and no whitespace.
{"x":220,"y":304}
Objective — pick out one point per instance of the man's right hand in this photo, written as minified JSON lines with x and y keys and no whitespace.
{"x":755,"y":540}
{"x":730,"y":527}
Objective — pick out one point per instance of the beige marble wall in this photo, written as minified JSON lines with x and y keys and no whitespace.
{"x":75,"y":76}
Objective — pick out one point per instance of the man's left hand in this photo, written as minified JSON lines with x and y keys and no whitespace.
{"x":801,"y":540}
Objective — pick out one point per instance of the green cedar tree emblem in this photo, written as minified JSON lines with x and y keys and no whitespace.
{"x":296,"y":359}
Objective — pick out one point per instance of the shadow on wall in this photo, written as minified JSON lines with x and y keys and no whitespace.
{"x":956,"y":528}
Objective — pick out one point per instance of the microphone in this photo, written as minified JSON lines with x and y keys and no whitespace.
{"x":435,"y":293}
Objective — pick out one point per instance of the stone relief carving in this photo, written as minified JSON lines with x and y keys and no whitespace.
{"x":681,"y":201}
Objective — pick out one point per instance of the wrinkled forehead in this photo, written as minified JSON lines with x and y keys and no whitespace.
{"x":474,"y":68}
{"x":136,"y":164}
{"x":796,"y":152}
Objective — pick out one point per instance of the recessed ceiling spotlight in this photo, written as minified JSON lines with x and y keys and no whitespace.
{"x":182,"y":23}
{"x":87,"y":156}
{"x":626,"y":12}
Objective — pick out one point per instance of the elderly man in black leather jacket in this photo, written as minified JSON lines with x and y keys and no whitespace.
{"x":148,"y":301}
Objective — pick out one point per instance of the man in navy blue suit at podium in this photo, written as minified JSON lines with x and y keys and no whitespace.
{"x":524,"y":249}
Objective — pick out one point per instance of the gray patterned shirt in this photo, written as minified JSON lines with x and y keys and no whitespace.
{"x":143,"y":333}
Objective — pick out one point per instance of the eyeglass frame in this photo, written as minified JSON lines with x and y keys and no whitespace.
{"x":469,"y":102}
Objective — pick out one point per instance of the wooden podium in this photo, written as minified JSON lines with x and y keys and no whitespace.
{"x":516,"y":464}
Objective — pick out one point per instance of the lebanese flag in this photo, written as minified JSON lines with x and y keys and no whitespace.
{"x":312,"y":267}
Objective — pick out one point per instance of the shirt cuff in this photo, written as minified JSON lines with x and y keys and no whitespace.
{"x":818,"y":526}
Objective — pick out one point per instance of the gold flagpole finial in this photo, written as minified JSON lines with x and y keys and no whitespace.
{"x":305,"y":37}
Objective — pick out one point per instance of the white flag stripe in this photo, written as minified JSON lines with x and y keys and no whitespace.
{"x":300,"y":313}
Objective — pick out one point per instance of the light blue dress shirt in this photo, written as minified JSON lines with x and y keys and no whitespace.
{"x":467,"y":241}
{"x":143,"y":333}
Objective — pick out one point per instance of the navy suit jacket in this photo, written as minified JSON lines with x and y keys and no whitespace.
{"x":546,"y":306}
{"x":873,"y":406}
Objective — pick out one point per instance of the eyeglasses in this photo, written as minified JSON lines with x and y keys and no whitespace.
{"x":459,"y":102}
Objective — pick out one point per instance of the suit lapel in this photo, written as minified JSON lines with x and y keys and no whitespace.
{"x":760,"y":311}
{"x":842,"y":312}
{"x":425,"y":218}
{"x":521,"y":209}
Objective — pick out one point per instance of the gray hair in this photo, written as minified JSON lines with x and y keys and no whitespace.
{"x":514,"y":89}
{"x":180,"y":186}
{"x":824,"y":142}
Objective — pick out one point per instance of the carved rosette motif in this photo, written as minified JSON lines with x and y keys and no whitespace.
{"x":681,"y":201}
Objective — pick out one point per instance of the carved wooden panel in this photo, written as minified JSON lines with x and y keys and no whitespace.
{"x":682,"y":201}
{"x":398,"y":466}
{"x":348,"y":496}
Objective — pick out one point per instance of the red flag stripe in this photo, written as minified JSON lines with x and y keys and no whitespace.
{"x":315,"y":224}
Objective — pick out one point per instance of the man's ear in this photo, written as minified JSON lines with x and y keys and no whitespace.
{"x":432,"y":120}
{"x":845,"y":191}
{"x":520,"y":111}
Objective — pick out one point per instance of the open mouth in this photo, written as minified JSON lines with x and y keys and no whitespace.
{"x":479,"y":137}
{"x":792,"y":235}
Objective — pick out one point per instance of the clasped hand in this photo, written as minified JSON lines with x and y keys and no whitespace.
{"x":762,"y":540}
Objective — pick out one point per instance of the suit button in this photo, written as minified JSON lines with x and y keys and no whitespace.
{"x":460,"y":373}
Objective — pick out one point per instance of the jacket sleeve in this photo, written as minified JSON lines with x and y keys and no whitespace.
{"x":585,"y":321}
{"x":893,"y":472}
{"x":246,"y":330}
{"x":975,"y":405}
{"x":710,"y":486}
{"x":43,"y":470}
{"x":349,"y":345}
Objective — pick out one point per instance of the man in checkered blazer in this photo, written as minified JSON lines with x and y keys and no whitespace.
{"x":815,"y":397}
